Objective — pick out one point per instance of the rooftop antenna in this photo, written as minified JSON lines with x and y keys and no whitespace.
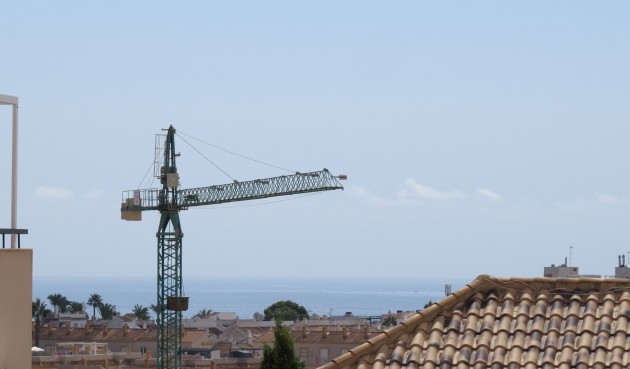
{"x":570,"y":255}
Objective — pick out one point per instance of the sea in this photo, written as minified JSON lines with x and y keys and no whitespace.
{"x":246,"y":296}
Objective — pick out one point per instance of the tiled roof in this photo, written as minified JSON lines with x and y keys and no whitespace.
{"x":65,"y":334}
{"x":215,"y":331}
{"x":190,"y":335}
{"x":255,"y":331}
{"x":265,"y":338}
{"x":97,"y":335}
{"x":332,"y":335}
{"x":509,"y":323}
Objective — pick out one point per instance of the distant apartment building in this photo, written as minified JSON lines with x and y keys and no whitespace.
{"x":75,"y":320}
{"x":622,"y":270}
{"x":204,"y":341}
{"x":317,"y":341}
{"x":561,"y":271}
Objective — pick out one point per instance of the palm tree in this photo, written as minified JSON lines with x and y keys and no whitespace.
{"x":94,"y":301}
{"x":141,"y":312}
{"x":76,"y":307}
{"x":155,"y":309}
{"x":59,"y":302}
{"x":39,"y":312}
{"x":390,"y":321}
{"x":108,"y":311}
{"x":203,"y":313}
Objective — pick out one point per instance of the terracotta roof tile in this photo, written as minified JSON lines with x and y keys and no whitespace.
{"x":190,"y":335}
{"x":509,"y":323}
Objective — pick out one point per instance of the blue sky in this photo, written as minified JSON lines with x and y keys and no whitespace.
{"x":479,"y":137}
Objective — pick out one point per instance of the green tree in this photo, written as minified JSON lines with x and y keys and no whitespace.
{"x":94,"y":301}
{"x":203,"y":313}
{"x":281,"y":355}
{"x":107,"y":311}
{"x":285,"y":310}
{"x":59,"y":302}
{"x":429,"y":303}
{"x":141,"y":312}
{"x":39,"y":313}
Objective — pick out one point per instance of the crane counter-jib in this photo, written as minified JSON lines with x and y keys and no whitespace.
{"x":135,"y":201}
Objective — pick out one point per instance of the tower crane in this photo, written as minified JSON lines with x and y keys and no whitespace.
{"x":169,"y":201}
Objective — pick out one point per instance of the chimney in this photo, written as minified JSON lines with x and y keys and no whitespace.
{"x":68,"y":329}
{"x":324,"y":333}
{"x":345,"y":332}
{"x":366,"y":332}
{"x":304,"y":331}
{"x":125,"y":328}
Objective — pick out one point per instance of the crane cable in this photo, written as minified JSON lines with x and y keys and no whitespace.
{"x":233,"y":153}
{"x":149,"y":169}
{"x":145,"y":177}
{"x":205,"y":157}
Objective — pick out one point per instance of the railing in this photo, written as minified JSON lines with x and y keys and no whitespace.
{"x":5,"y":231}
{"x":145,"y":199}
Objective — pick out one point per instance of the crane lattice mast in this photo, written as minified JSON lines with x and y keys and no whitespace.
{"x":169,"y":200}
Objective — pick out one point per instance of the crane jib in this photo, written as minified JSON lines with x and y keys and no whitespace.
{"x":299,"y":183}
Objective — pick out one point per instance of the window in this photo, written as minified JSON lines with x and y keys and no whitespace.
{"x":323,"y":354}
{"x":304,"y":354}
